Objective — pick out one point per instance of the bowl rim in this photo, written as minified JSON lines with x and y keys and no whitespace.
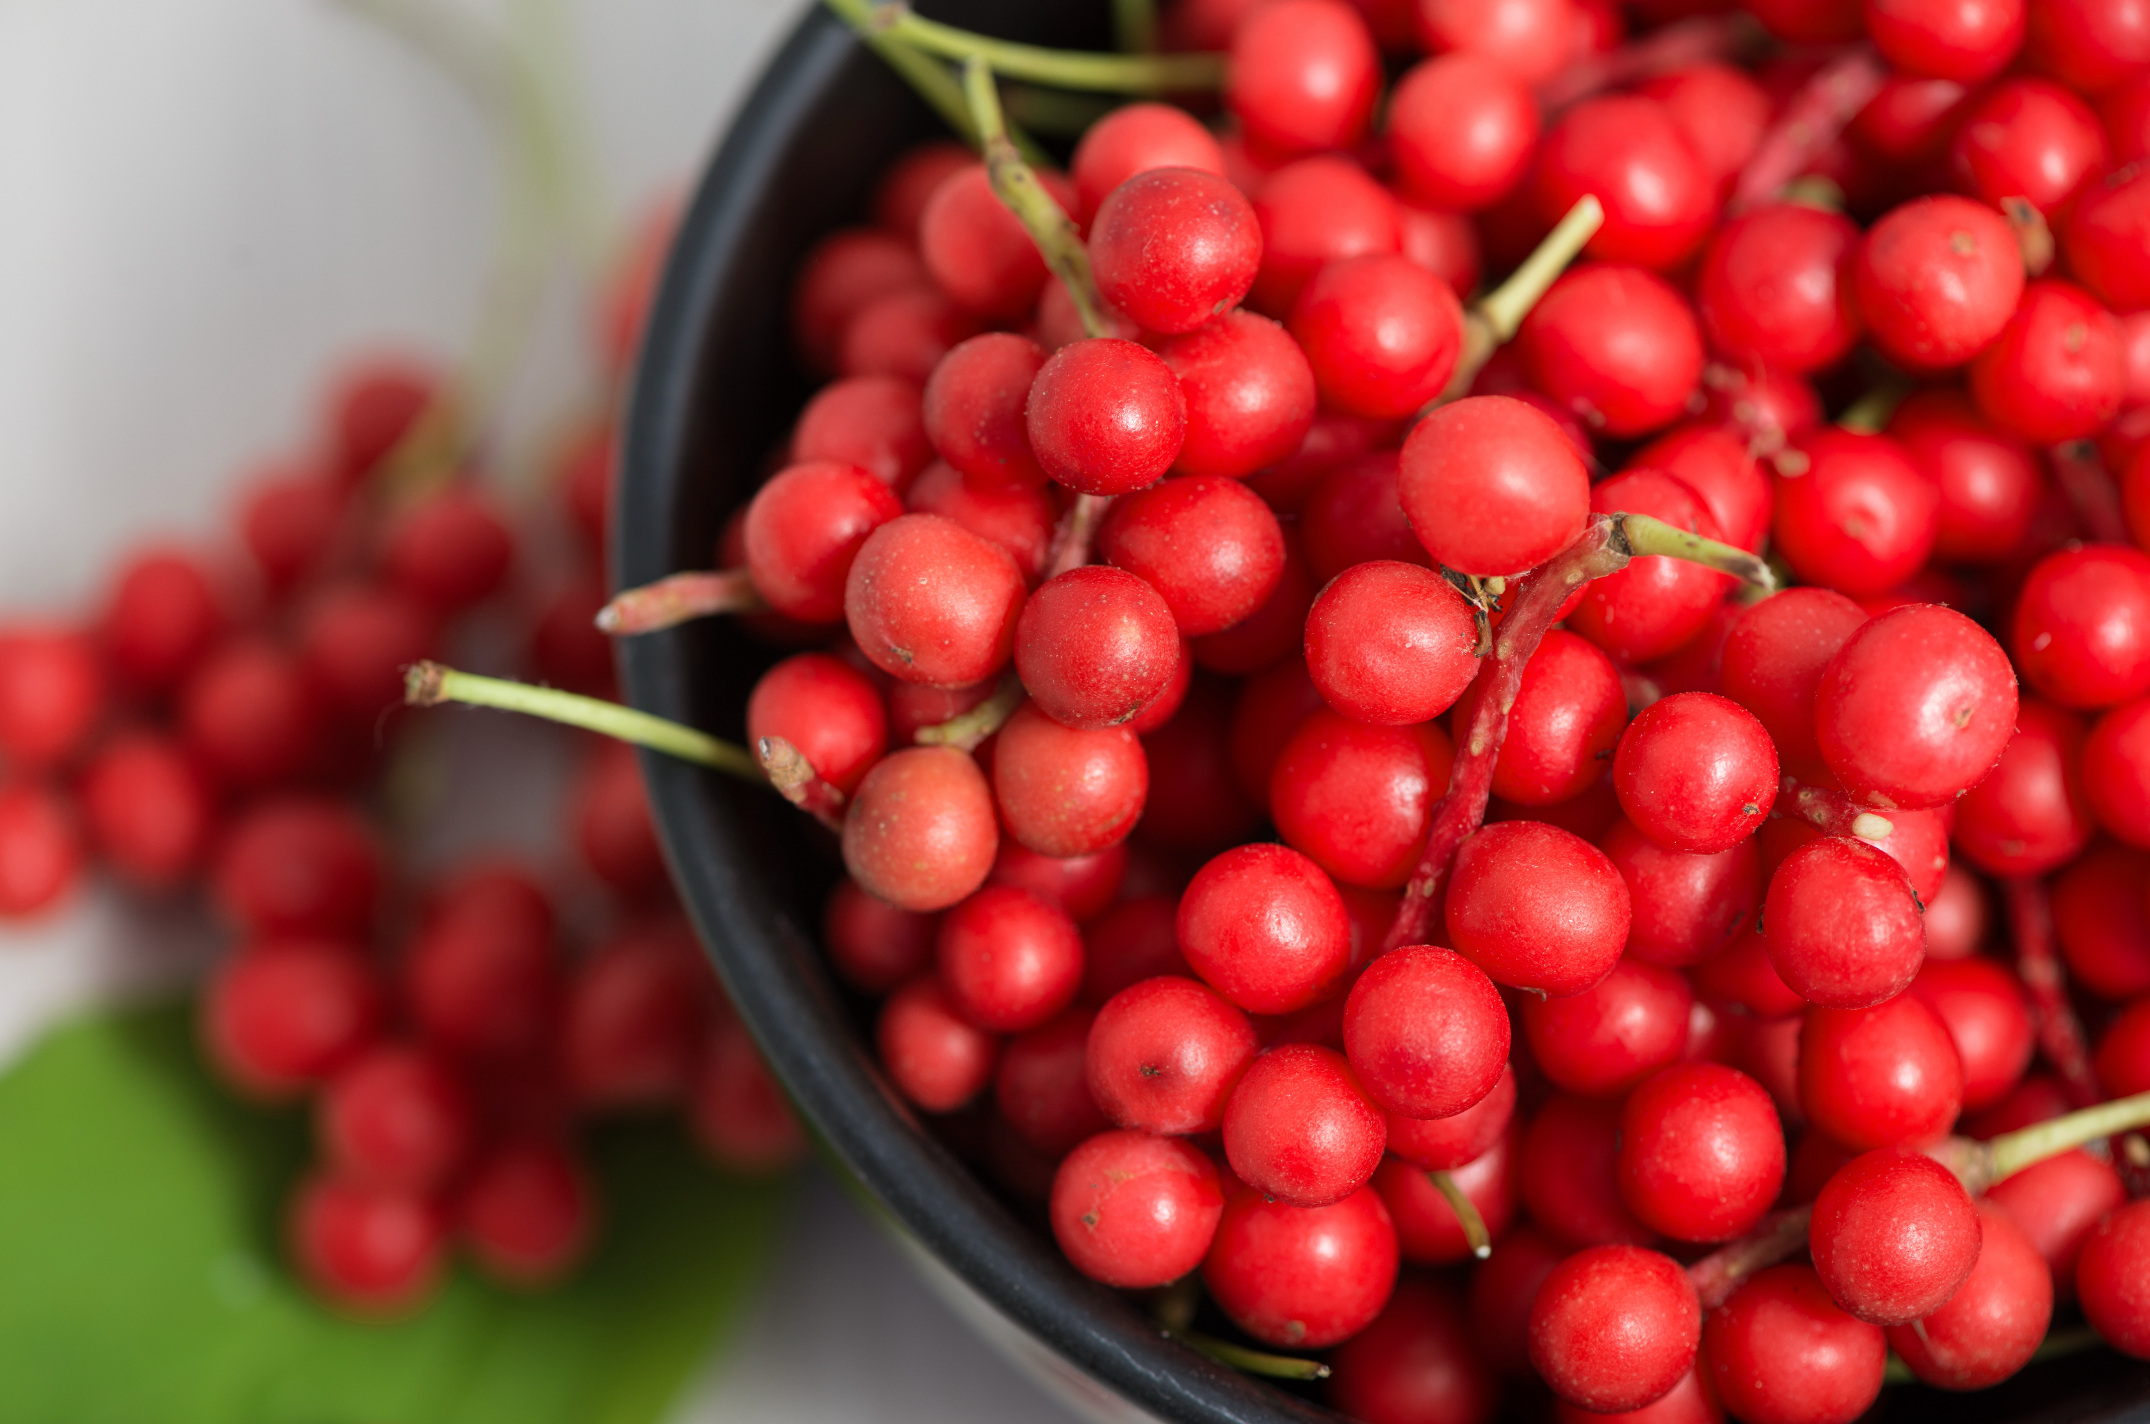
{"x":759,"y":949}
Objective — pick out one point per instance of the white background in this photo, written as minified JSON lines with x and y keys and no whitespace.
{"x":204,"y":205}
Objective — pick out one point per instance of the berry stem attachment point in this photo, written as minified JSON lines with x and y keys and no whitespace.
{"x":1640,"y":535}
{"x":429,"y":684}
{"x":928,"y":77}
{"x":1078,"y":528}
{"x":2060,"y":1032}
{"x":1495,"y":318}
{"x":1832,"y":812}
{"x":2034,"y":236}
{"x":796,"y":781}
{"x":2011,"y":1152}
{"x":677,"y":599}
{"x":1809,"y":124}
{"x":1253,"y":1362}
{"x":1016,"y":184}
{"x":1780,"y":1236}
{"x":1474,"y":1225}
{"x":967,"y":731}
{"x":1061,"y":68}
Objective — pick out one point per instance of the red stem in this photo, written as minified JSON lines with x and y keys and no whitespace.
{"x":678,"y":599}
{"x":2060,"y":1032}
{"x":1831,"y":812}
{"x":1809,"y":124}
{"x":1673,"y":48}
{"x":1534,"y":604}
{"x":796,"y":780}
{"x":2090,"y":491}
{"x":1780,"y":1236}
{"x":1071,"y":541}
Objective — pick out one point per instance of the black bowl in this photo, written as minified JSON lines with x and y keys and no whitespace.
{"x":715,"y":395}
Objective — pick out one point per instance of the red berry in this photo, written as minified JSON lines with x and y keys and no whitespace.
{"x":299,"y":866}
{"x":1042,"y":1086}
{"x":1879,"y":1077}
{"x":2103,"y":235}
{"x":904,"y":333}
{"x":1205,"y":543}
{"x":827,"y":709}
{"x":1303,"y":76}
{"x":1302,"y":1277}
{"x":2056,"y":372}
{"x":1462,"y":128}
{"x":1614,"y":1034}
{"x":1780,"y":1352}
{"x":1570,"y":1174}
{"x":1105,"y":416}
{"x":631,"y":1018}
{"x":1617,"y":346}
{"x":1136,"y":138}
{"x":1164,"y":1055}
{"x":251,"y":714}
{"x":928,"y":601}
{"x":1083,"y":885}
{"x":1994,"y":1323}
{"x":394,"y":1117}
{"x":1492,"y":486}
{"x":1966,"y":40}
{"x":803,"y":530}
{"x":973,"y":408}
{"x":527,"y":1212}
{"x":1427,"y":1228}
{"x":1775,"y":287}
{"x":1415,"y":1362}
{"x":848,"y":270}
{"x":1426,"y":1031}
{"x":1857,"y":517}
{"x":2116,"y":772}
{"x":1537,"y":907}
{"x":1174,"y":247}
{"x":1627,"y":152}
{"x":1686,"y":905}
{"x":1135,"y":940}
{"x":1015,"y":517}
{"x":1009,"y":959}
{"x":1937,"y":279}
{"x":357,"y":640}
{"x":371,"y":1250}
{"x":978,"y":251}
{"x":1265,"y":927}
{"x":1381,"y":333}
{"x":873,"y":422}
{"x":2081,"y":631}
{"x":286,"y":1014}
{"x":1249,"y":392}
{"x":934,"y":1055}
{"x":1696,"y":772}
{"x":874,"y":945}
{"x":1614,"y":1327}
{"x":1391,"y":643}
{"x":1356,"y":799}
{"x":2087,"y":44}
{"x":1701,"y":1152}
{"x":1442,"y":1144}
{"x":1894,"y":1235}
{"x":163,"y":616}
{"x":1095,"y":645}
{"x":2027,"y":139}
{"x":2057,"y":1203}
{"x":1133,"y":1210}
{"x":1299,"y":1127}
{"x":610,"y":819}
{"x":2103,"y":922}
{"x":920,"y":831}
{"x":1988,"y":481}
{"x":2029,"y":815}
{"x":1844,"y":929}
{"x":2113,"y":1279}
{"x":738,"y":1112}
{"x":51,"y":695}
{"x":448,"y":551}
{"x":1313,"y":212}
{"x":371,"y":408}
{"x":148,"y":809}
{"x":1530,"y":38}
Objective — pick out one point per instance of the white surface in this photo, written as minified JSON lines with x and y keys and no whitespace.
{"x":204,"y":204}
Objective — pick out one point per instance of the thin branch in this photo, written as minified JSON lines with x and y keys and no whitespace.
{"x":2060,"y":1032}
{"x":677,"y":599}
{"x":1474,"y":1225}
{"x":967,"y":730}
{"x":1061,"y":68}
{"x":796,"y":781}
{"x":1780,"y":1236}
{"x":1809,"y":124}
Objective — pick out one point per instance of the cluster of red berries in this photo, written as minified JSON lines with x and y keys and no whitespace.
{"x":222,"y":727}
{"x":1282,"y":896}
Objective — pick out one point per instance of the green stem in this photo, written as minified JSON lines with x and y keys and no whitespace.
{"x":2011,"y":1152}
{"x":1016,"y":184}
{"x":966,"y":730}
{"x":1134,"y":25}
{"x":1495,"y":318}
{"x":1061,"y":68}
{"x":1474,"y":1225}
{"x":1870,"y":412}
{"x":428,"y":684}
{"x":1643,"y":535}
{"x":1253,"y":1362}
{"x":928,"y":77}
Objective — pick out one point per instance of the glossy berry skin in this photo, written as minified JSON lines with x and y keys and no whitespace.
{"x":1298,"y":1127}
{"x":1614,"y":1034}
{"x":1426,"y":1223}
{"x":2030,"y":139}
{"x":1135,"y":1211}
{"x":2116,"y":772}
{"x":1265,"y":927}
{"x":1173,"y":248}
{"x":1569,"y":1173}
{"x":1695,"y":772}
{"x":977,"y":251}
{"x":1775,"y":287}
{"x":1206,"y":543}
{"x":1415,"y":1362}
{"x":1008,"y":958}
{"x":874,"y":422}
{"x":1916,"y":707}
{"x":1492,"y":486}
{"x":1773,"y":662}
{"x":827,"y":709}
{"x":1065,"y":791}
{"x":804,"y":528}
{"x":2103,"y":235}
{"x":1427,"y":1032}
{"x":1105,"y":416}
{"x":1391,"y":643}
{"x":527,"y":1212}
{"x":1988,"y":481}
{"x":1095,"y":645}
{"x":1537,"y":907}
{"x":928,"y":601}
{"x":1357,"y":799}
{"x":846,"y":271}
{"x":1626,"y":151}
{"x":2056,"y":371}
{"x":1615,"y":1327}
{"x":1701,"y":1152}
{"x":395,"y":1118}
{"x":1568,"y":714}
{"x":2123,"y":1059}
{"x":1249,"y":392}
{"x":51,"y":693}
{"x":1042,"y":1087}
{"x":1879,"y":1077}
{"x":936,"y":1058}
{"x":920,"y":832}
{"x":1843,"y":927}
{"x":1018,"y":518}
{"x":1313,"y":212}
{"x":1686,"y":905}
{"x":1136,"y":138}
{"x":1304,"y":76}
{"x":1616,"y":345}
{"x":2081,"y":631}
{"x":2113,"y":1279}
{"x":1859,"y":518}
{"x":1461,"y":129}
{"x":1656,"y":605}
{"x":1442,"y":1144}
{"x":2058,"y":1203}
{"x":372,"y":1251}
{"x":2029,"y":816}
{"x":1995,"y":1321}
{"x":1894,"y":1235}
{"x":287,"y":1014}
{"x":1164,"y":1055}
{"x":973,"y":408}
{"x":1963,"y":40}
{"x":1381,"y":333}
{"x":1781,"y":1352}
{"x":2104,"y":926}
{"x":1302,"y":1278}
{"x":1936,"y":280}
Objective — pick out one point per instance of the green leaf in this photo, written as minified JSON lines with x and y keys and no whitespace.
{"x":141,"y":1281}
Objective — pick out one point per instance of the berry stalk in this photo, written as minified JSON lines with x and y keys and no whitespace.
{"x":1496,"y":317}
{"x":1474,"y":1225}
{"x":967,"y":730}
{"x":1134,"y":25}
{"x":1605,"y":546}
{"x":1832,"y":812}
{"x":429,"y":684}
{"x":1780,"y":1236}
{"x":677,"y":599}
{"x":928,"y":77}
{"x":1253,"y":1362}
{"x":796,"y":781}
{"x":2060,"y":1032}
{"x":1061,"y":68}
{"x":1809,"y":124}
{"x":2011,"y":1152}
